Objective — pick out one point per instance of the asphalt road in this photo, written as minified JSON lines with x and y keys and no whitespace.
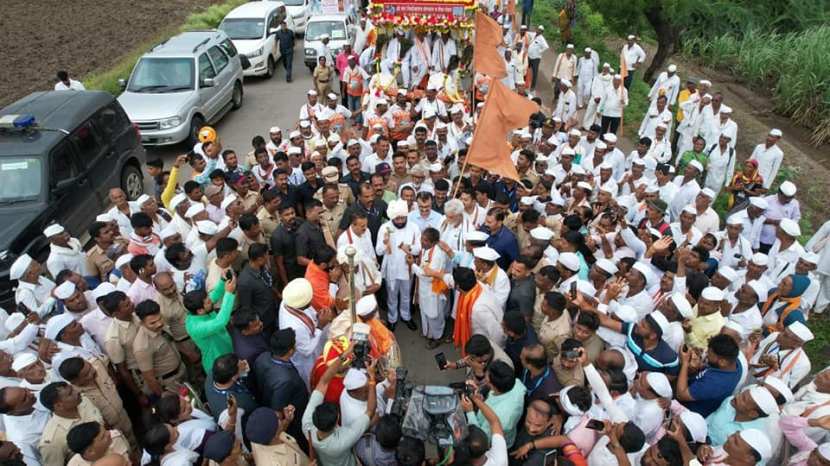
{"x":274,"y":102}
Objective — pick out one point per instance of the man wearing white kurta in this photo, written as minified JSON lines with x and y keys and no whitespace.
{"x":296,"y":313}
{"x":565,"y":66}
{"x":397,"y":239}
{"x":586,"y":70}
{"x":793,"y":362}
{"x":734,"y":247}
{"x":687,"y":189}
{"x":599,"y":86}
{"x":433,"y":304}
{"x":721,"y":164}
{"x":416,"y":64}
{"x":667,"y":84}
{"x":693,"y":111}
{"x":769,"y":157}
{"x":612,"y":105}
{"x":727,"y":125}
{"x":537,"y":46}
{"x":442,"y":50}
{"x":566,"y":104}
{"x":659,"y":113}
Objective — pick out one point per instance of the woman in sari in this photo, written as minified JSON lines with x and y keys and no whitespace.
{"x":782,"y":307}
{"x":745,"y":184}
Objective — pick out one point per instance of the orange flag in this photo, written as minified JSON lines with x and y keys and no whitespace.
{"x":486,"y":58}
{"x":503,"y":111}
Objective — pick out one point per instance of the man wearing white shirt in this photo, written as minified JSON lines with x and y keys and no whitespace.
{"x":396,"y":240}
{"x":721,"y":164}
{"x":537,"y":46}
{"x":660,"y":147}
{"x":431,"y":103}
{"x":660,"y":113}
{"x":586,"y":71}
{"x":634,"y":56}
{"x":727,"y":125}
{"x":752,"y":220}
{"x":65,"y":252}
{"x":665,"y":186}
{"x":667,"y":84}
{"x":442,"y":50}
{"x":683,"y":231}
{"x":785,"y":251}
{"x":614,"y":156}
{"x":612,"y":104}
{"x":382,"y":154}
{"x":424,"y":217}
{"x":687,"y":188}
{"x":707,"y":219}
{"x":566,"y":105}
{"x":311,"y":107}
{"x":734,"y":247}
{"x":359,"y":236}
{"x":65,"y":83}
{"x":490,"y":275}
{"x":769,"y":157}
{"x":599,"y":86}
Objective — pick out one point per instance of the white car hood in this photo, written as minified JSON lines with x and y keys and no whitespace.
{"x":247,"y":46}
{"x":151,"y":107}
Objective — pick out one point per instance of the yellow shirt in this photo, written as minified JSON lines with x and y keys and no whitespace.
{"x":287,"y":453}
{"x":703,"y":328}
{"x":682,"y":97}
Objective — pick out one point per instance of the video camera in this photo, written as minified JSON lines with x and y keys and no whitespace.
{"x":428,"y":412}
{"x":360,"y":343}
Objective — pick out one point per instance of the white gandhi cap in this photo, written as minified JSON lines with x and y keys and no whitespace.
{"x":758,"y":441}
{"x":659,"y":383}
{"x":486,"y":253}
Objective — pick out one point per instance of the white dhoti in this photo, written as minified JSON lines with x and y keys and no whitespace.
{"x":590,"y":117}
{"x":583,"y":92}
{"x":433,"y":310}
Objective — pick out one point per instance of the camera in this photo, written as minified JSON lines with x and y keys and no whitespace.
{"x":428,"y":412}
{"x":360,"y":343}
{"x":572,"y":354}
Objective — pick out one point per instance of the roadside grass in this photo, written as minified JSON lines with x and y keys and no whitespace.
{"x":793,"y":68}
{"x":591,"y":30}
{"x":819,"y":349}
{"x":107,"y":79}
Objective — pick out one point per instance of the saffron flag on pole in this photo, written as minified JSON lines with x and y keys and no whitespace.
{"x":503,"y":111}
{"x":486,"y":58}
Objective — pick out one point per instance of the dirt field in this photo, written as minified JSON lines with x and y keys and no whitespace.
{"x":80,"y":36}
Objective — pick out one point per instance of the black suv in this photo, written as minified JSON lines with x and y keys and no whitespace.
{"x":59,"y":167}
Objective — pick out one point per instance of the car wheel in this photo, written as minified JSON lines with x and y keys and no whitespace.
{"x":196,"y":124}
{"x":271,"y":67}
{"x":237,"y":95}
{"x":310,"y":68}
{"x":132,"y":182}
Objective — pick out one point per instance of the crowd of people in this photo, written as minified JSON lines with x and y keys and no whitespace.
{"x":605,"y":313}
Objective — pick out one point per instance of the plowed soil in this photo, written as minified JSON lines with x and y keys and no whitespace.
{"x":40,"y":37}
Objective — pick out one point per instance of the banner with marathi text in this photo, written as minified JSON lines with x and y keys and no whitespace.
{"x":428,"y":14}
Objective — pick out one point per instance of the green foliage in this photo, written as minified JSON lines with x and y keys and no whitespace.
{"x":793,"y":67}
{"x":209,"y":18}
{"x":819,"y":349}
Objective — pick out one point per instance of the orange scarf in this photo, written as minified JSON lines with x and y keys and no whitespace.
{"x":490,"y":278}
{"x":789,"y":305}
{"x":464,"y":317}
{"x":383,"y":338}
{"x":319,"y":280}
{"x":438,"y":286}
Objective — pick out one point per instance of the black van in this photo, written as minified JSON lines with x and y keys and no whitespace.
{"x":60,"y":153}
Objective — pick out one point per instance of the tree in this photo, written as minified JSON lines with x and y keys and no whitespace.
{"x":667,"y":18}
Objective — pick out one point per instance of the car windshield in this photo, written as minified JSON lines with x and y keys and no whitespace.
{"x":293,"y":2}
{"x":20,"y":179}
{"x":335,"y":29}
{"x":160,"y":75}
{"x":243,"y":28}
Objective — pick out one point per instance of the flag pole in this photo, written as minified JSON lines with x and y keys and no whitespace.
{"x":472,"y":112}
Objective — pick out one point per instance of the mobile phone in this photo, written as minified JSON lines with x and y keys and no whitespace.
{"x":228,"y":274}
{"x":572,"y":354}
{"x":593,"y":424}
{"x":573,"y":289}
{"x":441,"y":360}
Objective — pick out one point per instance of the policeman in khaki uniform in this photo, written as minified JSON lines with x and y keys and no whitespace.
{"x":267,"y":214}
{"x":69,"y":408}
{"x":269,"y":442}
{"x":91,"y":377}
{"x":333,"y":210}
{"x":332,"y":177}
{"x":155,"y":352}
{"x":174,"y":314}
{"x":118,"y":343}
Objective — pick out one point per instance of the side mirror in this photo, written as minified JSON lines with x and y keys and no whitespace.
{"x":122,"y":83}
{"x":208,"y":82}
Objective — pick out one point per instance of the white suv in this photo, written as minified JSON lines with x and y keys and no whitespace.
{"x":252,"y":28}
{"x":182,"y":84}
